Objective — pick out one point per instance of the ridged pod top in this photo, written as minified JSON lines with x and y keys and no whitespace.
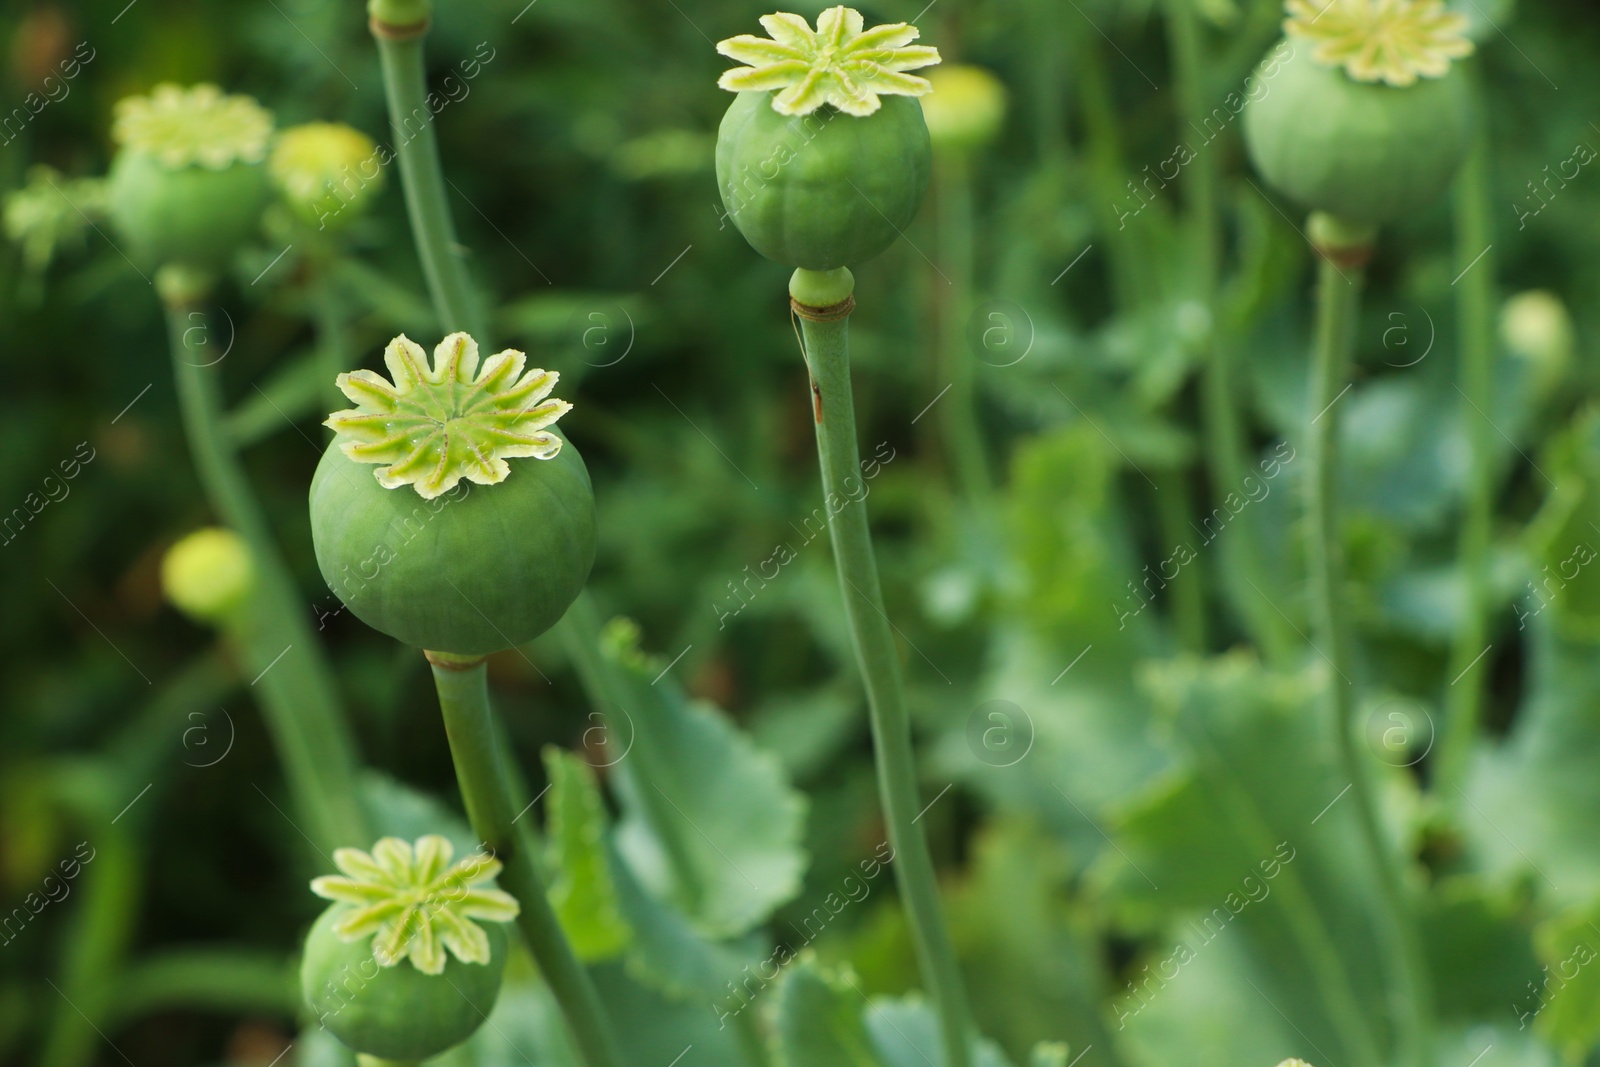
{"x":840,"y":63}
{"x":414,"y":903}
{"x":198,"y":125}
{"x":1392,"y":41}
{"x":430,"y":428}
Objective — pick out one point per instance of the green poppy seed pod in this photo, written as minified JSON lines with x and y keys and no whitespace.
{"x":398,"y":1013}
{"x":326,"y":172}
{"x":208,"y":575}
{"x":407,"y":962}
{"x":1360,"y":113}
{"x":187,"y":185}
{"x":822,"y":160}
{"x":446,"y":546}
{"x":966,"y":109}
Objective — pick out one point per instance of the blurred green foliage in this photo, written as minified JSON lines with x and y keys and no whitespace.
{"x":1157,"y":778}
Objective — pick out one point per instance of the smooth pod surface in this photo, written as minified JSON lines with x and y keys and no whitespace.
{"x":479,"y":569}
{"x":191,"y":214}
{"x":1369,"y":153}
{"x":396,"y":1013}
{"x":824,"y":190}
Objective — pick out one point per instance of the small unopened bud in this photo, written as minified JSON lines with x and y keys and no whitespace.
{"x":1537,"y":327}
{"x":326,"y":172}
{"x":208,"y":575}
{"x":966,"y":109}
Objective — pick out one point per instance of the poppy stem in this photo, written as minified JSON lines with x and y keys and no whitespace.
{"x":825,"y":329}
{"x":463,"y":687}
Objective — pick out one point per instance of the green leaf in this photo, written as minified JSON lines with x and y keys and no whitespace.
{"x":1072,"y":733}
{"x":819,"y":1021}
{"x":1479,"y":946}
{"x":1030,"y":952}
{"x":394,"y":809}
{"x":667,"y":952}
{"x":581,"y":890}
{"x":905,"y":1032}
{"x":1530,"y":805}
{"x":710,"y":822}
{"x":525,"y":1028}
{"x":1048,"y":1054}
{"x":1562,"y":538}
{"x":654,"y":1028}
{"x":1250,"y":847}
{"x":1564,"y":1000}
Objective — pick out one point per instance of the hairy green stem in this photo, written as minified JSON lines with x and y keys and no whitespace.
{"x":417,"y":150}
{"x":1475,"y":312}
{"x":297,"y":692}
{"x":1411,"y":1003}
{"x":468,"y":721}
{"x":828,"y":359}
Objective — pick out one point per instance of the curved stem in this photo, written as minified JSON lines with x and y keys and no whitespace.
{"x":298,"y":695}
{"x":1475,"y":311}
{"x":1338,"y":302}
{"x":464,"y":702}
{"x":417,"y":150}
{"x":828,"y":358}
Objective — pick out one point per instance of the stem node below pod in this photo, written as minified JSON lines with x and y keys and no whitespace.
{"x":446,"y":545}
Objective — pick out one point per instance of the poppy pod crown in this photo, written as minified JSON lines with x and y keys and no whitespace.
{"x":823,"y":158}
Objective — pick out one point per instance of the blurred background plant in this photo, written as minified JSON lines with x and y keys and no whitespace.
{"x":1099,"y":586}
